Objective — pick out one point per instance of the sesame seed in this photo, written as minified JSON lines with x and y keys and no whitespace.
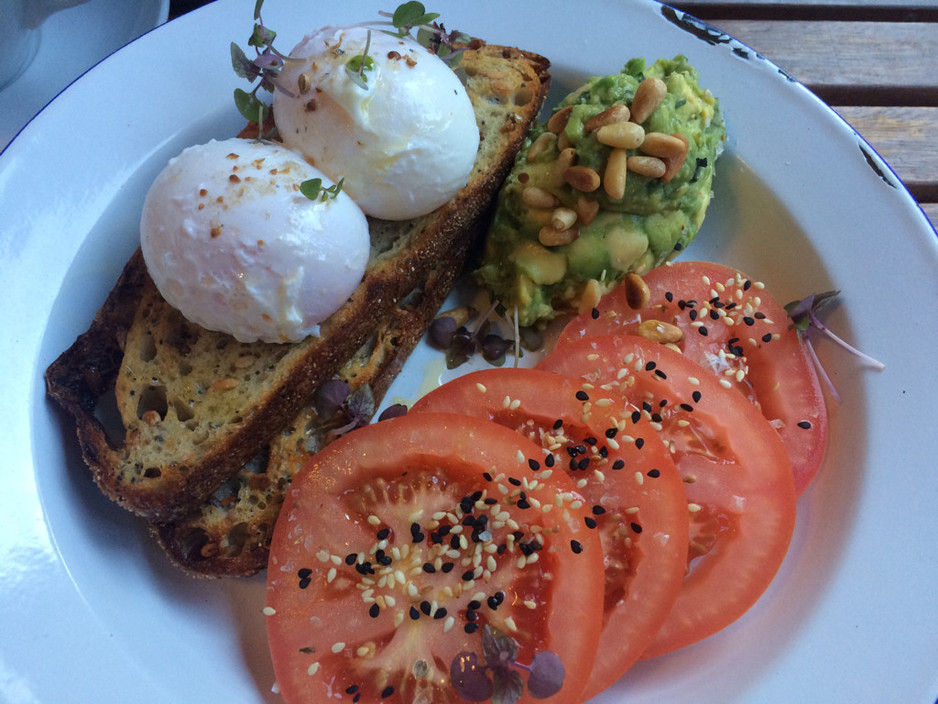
{"x":312,"y":669}
{"x":338,"y":647}
{"x":374,"y":520}
{"x":694,"y":508}
{"x":269,"y":611}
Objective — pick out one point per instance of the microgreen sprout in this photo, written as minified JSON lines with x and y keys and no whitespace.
{"x":357,"y":65}
{"x":430,"y":34}
{"x":804,"y":317}
{"x":262,"y":70}
{"x":314,"y":190}
{"x":352,"y":409}
{"x":499,"y":677}
{"x":449,"y":333}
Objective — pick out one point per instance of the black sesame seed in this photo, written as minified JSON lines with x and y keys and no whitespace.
{"x":383,"y":533}
{"x":447,"y":567}
{"x":660,"y":374}
{"x":576,"y":546}
{"x":357,"y":697}
{"x":636,"y":416}
{"x":767,"y":337}
{"x":590,"y":522}
{"x":804,"y":424}
{"x":487,"y":476}
{"x":468,"y":575}
{"x":582,"y":396}
{"x":429,"y":568}
{"x":654,"y":473}
{"x":598,"y":510}
{"x":668,"y":296}
{"x":759,"y":315}
{"x":747,"y":284}
{"x":693,"y":314}
{"x":374,"y":610}
{"x":534,"y":464}
{"x":352,"y":689}
{"x":636,"y":527}
{"x":686,"y":407}
{"x":558,"y":424}
{"x":514,"y":481}
{"x":304,"y":572}
{"x":696,"y":396}
{"x":351,"y":558}
{"x":595,"y":313}
{"x":611,"y":432}
{"x":639,"y":443}
{"x":583,"y":464}
{"x":748,"y":320}
{"x":714,"y":315}
{"x":426,"y":607}
{"x":650,"y":365}
{"x":439,"y":613}
{"x":414,"y":614}
{"x":305,"y":582}
{"x":549,"y":461}
{"x":471,"y":628}
{"x":703,"y":330}
{"x":387,"y":691}
{"x":618,"y":464}
{"x":474,"y":605}
{"x":590,"y":440}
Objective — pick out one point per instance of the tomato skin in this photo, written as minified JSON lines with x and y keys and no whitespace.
{"x":780,"y":377}
{"x":391,"y":487}
{"x":734,"y":466}
{"x":645,"y":570}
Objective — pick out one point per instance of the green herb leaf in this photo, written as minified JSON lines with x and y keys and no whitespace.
{"x":250,"y":106}
{"x":311,"y":188}
{"x":411,"y":14}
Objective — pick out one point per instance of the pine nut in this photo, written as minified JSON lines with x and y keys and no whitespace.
{"x":582,"y":178}
{"x":536,"y":197}
{"x":590,"y":296}
{"x":637,"y":294}
{"x":660,"y":331}
{"x":612,"y":114}
{"x":563,"y":219}
{"x":615,"y":173}
{"x":559,"y":119}
{"x":662,"y":145}
{"x":586,"y":209}
{"x":304,"y":83}
{"x":675,"y":163}
{"x":621,"y":135}
{"x":563,"y":141}
{"x":648,"y":97}
{"x":650,"y":166}
{"x":551,"y":237}
{"x":540,"y":145}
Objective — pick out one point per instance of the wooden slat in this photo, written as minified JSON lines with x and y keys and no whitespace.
{"x":895,"y":62}
{"x":907,"y":138}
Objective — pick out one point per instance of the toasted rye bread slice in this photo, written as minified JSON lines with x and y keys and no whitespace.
{"x":194,"y":405}
{"x":229,"y":535}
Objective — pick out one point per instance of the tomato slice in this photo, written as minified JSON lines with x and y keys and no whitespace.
{"x":736,"y":474}
{"x":637,"y":497}
{"x":734,"y":327}
{"x":400,"y":543}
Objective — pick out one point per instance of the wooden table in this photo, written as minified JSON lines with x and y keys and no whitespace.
{"x":873,"y":61}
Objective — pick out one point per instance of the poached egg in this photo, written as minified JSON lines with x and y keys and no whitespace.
{"x":405,"y":142}
{"x":232,"y":243}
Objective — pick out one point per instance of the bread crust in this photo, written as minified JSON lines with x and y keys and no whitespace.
{"x":140,"y":348}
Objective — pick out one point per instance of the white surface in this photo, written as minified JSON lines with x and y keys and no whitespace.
{"x":69,"y":43}
{"x":89,"y":609}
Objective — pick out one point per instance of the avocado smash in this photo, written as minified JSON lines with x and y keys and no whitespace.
{"x":617,"y":180}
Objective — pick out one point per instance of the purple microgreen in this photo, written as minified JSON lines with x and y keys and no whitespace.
{"x":395,"y":410}
{"x":441,"y":331}
{"x":498,"y":674}
{"x":430,"y":34}
{"x":469,"y":677}
{"x":330,"y":397}
{"x":546,"y":674}
{"x":804,"y":317}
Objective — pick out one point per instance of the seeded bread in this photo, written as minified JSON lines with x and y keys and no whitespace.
{"x":193,"y":406}
{"x":229,"y":535}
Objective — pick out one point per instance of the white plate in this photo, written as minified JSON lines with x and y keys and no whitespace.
{"x":89,"y":608}
{"x":70,"y":42}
